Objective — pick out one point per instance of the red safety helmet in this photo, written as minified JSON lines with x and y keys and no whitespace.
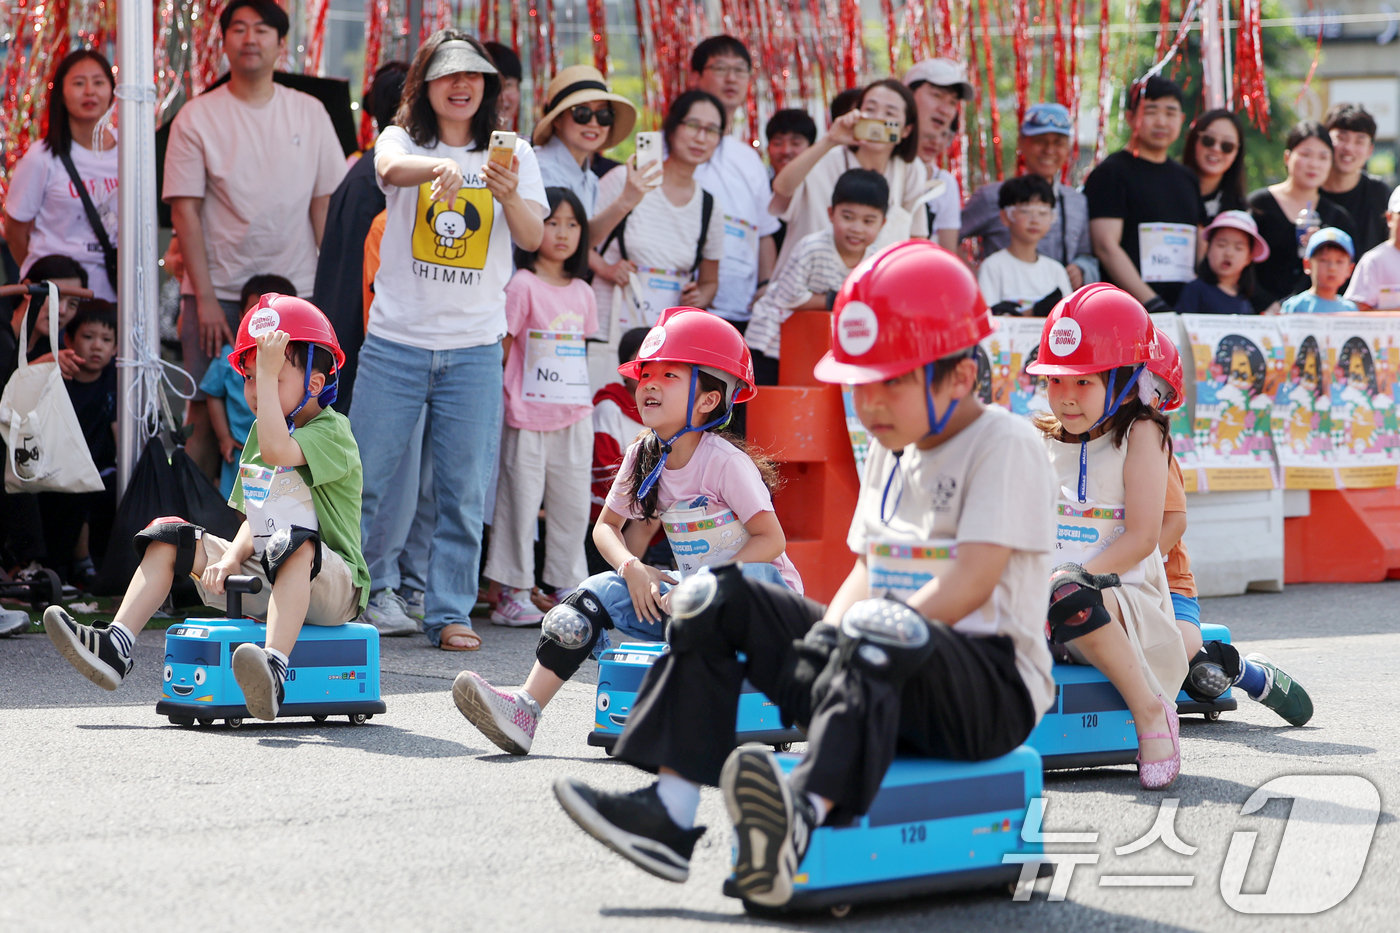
{"x":689,"y":335}
{"x":1096,"y":329}
{"x":1169,"y":369}
{"x":299,"y":318}
{"x":906,"y":306}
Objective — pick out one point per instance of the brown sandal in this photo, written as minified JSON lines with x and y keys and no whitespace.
{"x":458,"y":630}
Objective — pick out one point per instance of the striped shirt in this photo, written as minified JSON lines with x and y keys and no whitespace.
{"x":814,"y":268}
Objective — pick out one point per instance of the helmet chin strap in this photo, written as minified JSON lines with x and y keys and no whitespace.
{"x":936,"y":426}
{"x":1115,"y":402}
{"x":326,"y":397}
{"x":654,"y":476}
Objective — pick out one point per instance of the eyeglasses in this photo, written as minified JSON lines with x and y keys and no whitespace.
{"x":729,"y":71}
{"x":583,"y":115}
{"x":701,"y":129}
{"x":1224,"y":145}
{"x":1031,"y":213}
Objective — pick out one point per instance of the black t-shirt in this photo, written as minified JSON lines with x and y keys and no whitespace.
{"x":1282,"y":275}
{"x":1366,"y":203}
{"x":1137,"y":191}
{"x":1220,"y":200}
{"x":95,"y":404}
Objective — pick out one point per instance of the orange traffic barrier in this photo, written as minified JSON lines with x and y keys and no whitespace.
{"x":801,"y":424}
{"x":1349,"y":536}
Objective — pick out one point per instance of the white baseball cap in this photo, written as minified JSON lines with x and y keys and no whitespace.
{"x":1394,"y":205}
{"x":940,"y":72}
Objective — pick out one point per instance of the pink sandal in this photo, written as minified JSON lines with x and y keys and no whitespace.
{"x":1157,"y":775}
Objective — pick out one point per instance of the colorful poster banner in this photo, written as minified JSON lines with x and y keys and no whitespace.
{"x":1365,"y":437}
{"x":1182,"y":429}
{"x":1236,"y":361}
{"x":1002,"y":359}
{"x":1301,"y":420}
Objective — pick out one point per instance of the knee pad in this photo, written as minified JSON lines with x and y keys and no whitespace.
{"x":1213,"y":671}
{"x":696,"y":605}
{"x":796,"y":691}
{"x":174,"y":530}
{"x":283,"y":544}
{"x":569,"y":631}
{"x":1076,"y":602}
{"x":884,"y":638}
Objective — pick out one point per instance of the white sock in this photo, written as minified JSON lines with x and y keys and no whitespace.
{"x":280,"y":663}
{"x":821,"y":807}
{"x":681,"y":797}
{"x":530,"y":702}
{"x":123,"y":634}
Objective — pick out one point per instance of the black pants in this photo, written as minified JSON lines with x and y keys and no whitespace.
{"x":64,"y":515}
{"x":966,"y":703}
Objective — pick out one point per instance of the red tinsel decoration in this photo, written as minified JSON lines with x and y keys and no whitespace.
{"x":316,"y":35}
{"x":992,"y":89}
{"x":598,"y":24}
{"x":1105,"y":81}
{"x":1251,"y":90}
{"x":1021,"y":45}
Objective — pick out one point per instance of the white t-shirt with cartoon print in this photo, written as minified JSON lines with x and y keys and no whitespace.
{"x":443,"y":268}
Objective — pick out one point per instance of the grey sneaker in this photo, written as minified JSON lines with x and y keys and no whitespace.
{"x":13,"y":622}
{"x":388,"y":613}
{"x":415,"y":605}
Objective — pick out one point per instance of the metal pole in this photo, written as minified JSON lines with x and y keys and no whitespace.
{"x":1212,"y":52}
{"x":138,"y":286}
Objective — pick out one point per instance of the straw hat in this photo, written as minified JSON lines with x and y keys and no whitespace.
{"x":582,"y":84}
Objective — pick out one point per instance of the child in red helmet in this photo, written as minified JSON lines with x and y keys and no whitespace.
{"x":934,"y":643}
{"x":711,"y":495}
{"x":1110,"y":603}
{"x":1215,"y":665}
{"x":299,"y":486}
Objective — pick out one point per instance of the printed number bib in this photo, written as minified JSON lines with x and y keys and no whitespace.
{"x":699,"y":540}
{"x":1082,"y":530}
{"x":273,"y":499}
{"x":556,"y":368}
{"x":898,"y":569}
{"x":1167,"y":252}
{"x":655,"y":290}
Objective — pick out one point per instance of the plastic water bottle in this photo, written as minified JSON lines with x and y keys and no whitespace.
{"x":1308,"y":220}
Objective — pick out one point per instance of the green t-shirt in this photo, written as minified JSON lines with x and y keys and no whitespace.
{"x":323,"y":493}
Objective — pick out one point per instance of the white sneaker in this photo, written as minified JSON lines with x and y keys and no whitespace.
{"x":507,"y":719}
{"x":388,"y":613}
{"x":13,"y":622}
{"x":415,"y":604}
{"x":516,"y":610}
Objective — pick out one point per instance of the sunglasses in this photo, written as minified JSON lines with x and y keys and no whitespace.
{"x":1224,"y":145}
{"x":1039,"y":118}
{"x":583,"y":114}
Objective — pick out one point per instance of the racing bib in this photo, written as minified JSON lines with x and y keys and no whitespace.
{"x":556,"y":368}
{"x":899,"y":569}
{"x":1389,"y":298}
{"x":655,"y":290}
{"x":275,"y":498}
{"x":1082,"y":530}
{"x":1167,"y":252}
{"x":700,"y":540}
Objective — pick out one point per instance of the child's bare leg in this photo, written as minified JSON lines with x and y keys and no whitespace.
{"x":542,"y":684}
{"x":1191,"y":638}
{"x":151,"y":584}
{"x":291,"y":594}
{"x":1109,"y":650}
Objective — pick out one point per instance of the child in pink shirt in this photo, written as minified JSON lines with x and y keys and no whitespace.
{"x":547,"y":439}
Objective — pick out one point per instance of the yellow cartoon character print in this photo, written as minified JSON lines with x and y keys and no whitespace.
{"x":1303,"y":392}
{"x":1356,"y":379}
{"x":456,"y":234}
{"x":1241,"y":366}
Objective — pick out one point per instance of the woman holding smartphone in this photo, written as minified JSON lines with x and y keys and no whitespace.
{"x":438,"y":314}
{"x":878,"y":135}
{"x":660,"y":243}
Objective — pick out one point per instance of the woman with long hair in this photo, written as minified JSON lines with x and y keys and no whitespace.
{"x":44,"y":213}
{"x":438,"y":314}
{"x":1215,"y":155}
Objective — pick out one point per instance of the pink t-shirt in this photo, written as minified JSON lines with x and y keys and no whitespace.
{"x":719,"y":478}
{"x":1376,"y":280}
{"x":547,"y":323}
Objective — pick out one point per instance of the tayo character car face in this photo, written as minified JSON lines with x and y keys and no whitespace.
{"x":192,"y":665}
{"x":620,"y":676}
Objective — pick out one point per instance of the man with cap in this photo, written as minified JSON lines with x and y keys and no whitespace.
{"x":581,"y":117}
{"x":1375,"y":284}
{"x":737,"y":178}
{"x":1044,"y":148}
{"x":939,"y":86}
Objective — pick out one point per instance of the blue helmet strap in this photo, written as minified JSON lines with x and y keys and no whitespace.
{"x":886,"y":494}
{"x":655,"y":475}
{"x":325,"y":399}
{"x":1115,"y":402}
{"x":935,"y":424}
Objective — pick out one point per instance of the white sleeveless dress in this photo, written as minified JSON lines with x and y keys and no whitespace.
{"x":1144,"y":597}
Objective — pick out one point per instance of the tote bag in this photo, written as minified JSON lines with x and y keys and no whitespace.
{"x":45,"y":450}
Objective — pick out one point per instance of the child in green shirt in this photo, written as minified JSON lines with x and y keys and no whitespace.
{"x":299,"y":488}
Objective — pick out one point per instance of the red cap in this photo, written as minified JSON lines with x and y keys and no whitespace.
{"x":1098,"y":328}
{"x":689,"y":335}
{"x":908,"y":305}
{"x":299,"y":318}
{"x":1170,"y":370}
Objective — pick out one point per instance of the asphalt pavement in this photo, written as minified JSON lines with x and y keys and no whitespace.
{"x":112,"y":819}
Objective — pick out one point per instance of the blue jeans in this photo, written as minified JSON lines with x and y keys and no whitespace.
{"x":398,"y":545}
{"x":461,"y":389}
{"x":611,"y":591}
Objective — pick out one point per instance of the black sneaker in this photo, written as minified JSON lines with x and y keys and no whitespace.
{"x":262,"y":689}
{"x":772,"y":825}
{"x":635,"y":825}
{"x":98,"y":655}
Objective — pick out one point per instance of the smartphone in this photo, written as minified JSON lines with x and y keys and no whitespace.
{"x":878,"y":131}
{"x":648,"y":151}
{"x":502,"y":148}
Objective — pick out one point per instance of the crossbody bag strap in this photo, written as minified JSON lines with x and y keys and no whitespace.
{"x":109,"y":252}
{"x":707,"y":211}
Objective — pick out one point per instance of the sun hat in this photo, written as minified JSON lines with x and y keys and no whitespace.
{"x":1243,"y":222}
{"x":582,"y":84}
